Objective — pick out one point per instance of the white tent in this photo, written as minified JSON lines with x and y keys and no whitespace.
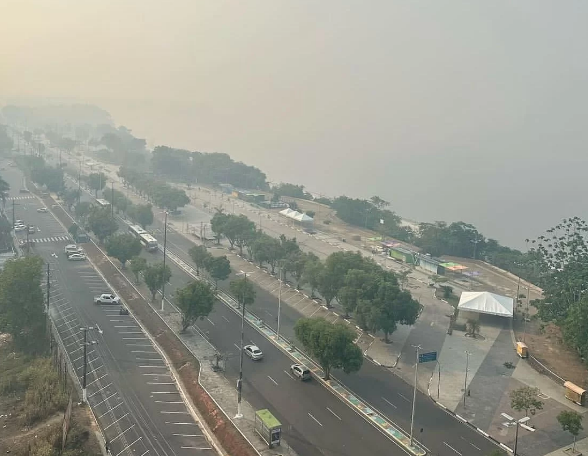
{"x":303,"y":218}
{"x":486,"y":303}
{"x":286,"y":212}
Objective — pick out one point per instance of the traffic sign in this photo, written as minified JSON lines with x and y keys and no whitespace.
{"x":426,"y":357}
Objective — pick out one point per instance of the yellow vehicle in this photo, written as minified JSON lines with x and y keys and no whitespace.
{"x":522,"y":350}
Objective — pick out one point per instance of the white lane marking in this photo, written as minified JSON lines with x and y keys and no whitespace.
{"x":289,"y":375}
{"x":449,"y":446}
{"x":107,"y":412}
{"x":143,"y":351}
{"x":479,"y":449}
{"x":96,"y":392}
{"x":237,"y":347}
{"x":153,"y":366}
{"x":128,"y":429}
{"x":388,"y":402}
{"x":99,"y":378}
{"x":194,"y":448}
{"x":128,"y":446}
{"x":404,"y":397}
{"x":275,"y":383}
{"x":189,"y":435}
{"x":104,"y":400}
{"x":334,"y":414}
{"x":168,"y":402}
{"x":185,"y":424}
{"x":319,"y":423}
{"x":210,"y":321}
{"x":226,"y":319}
{"x":174,"y":413}
{"x":116,"y":420}
{"x":160,"y":383}
{"x":165,"y":392}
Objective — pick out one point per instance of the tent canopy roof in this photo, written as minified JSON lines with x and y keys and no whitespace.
{"x":486,"y":303}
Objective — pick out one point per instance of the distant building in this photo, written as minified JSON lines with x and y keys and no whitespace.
{"x":399,"y":253}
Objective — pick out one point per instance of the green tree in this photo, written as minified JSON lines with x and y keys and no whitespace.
{"x":217,"y":224}
{"x":294,"y":264}
{"x":101,"y":223}
{"x":138,"y":265}
{"x":525,"y":398}
{"x":571,"y":421}
{"x":83,"y":209}
{"x":332,"y":345}
{"x":123,"y":247}
{"x":194,"y":301}
{"x":313,"y":270}
{"x":143,"y":214}
{"x":70,"y":197}
{"x":97,"y":181}
{"x":393,"y":306}
{"x":219,"y":268}
{"x":238,"y":230}
{"x":243,"y":291}
{"x":473,"y":326}
{"x":155,"y":276}
{"x":22,"y":310}
{"x":200,"y":256}
{"x":575,"y":328}
{"x":73,"y":230}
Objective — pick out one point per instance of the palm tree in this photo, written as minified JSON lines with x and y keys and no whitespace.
{"x":473,"y":327}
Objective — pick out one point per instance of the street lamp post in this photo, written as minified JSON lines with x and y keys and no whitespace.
{"x":416,"y":370}
{"x":279,"y":304}
{"x":465,"y":382}
{"x":240,"y":381}
{"x":85,"y":344}
{"x":164,"y":254}
{"x":521,"y":422}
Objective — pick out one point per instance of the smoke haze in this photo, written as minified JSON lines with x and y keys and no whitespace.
{"x":456,"y":110}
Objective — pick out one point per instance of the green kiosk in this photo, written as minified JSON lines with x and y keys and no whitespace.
{"x":268,"y":427}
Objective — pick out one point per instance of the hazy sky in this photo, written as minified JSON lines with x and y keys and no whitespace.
{"x":454,"y":110}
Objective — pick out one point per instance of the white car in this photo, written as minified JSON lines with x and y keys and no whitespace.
{"x":253,"y":352}
{"x":300,"y":371}
{"x":42,"y":209}
{"x":19,"y":228}
{"x":76,"y":257}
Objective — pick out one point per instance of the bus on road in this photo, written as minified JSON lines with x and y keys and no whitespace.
{"x":149,"y":242}
{"x":102,"y":203}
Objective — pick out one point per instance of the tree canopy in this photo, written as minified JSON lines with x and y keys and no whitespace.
{"x":331,"y":344}
{"x":194,"y":301}
{"x":155,"y":276}
{"x":123,"y":247}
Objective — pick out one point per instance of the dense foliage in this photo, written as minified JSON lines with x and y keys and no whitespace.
{"x":206,"y":168}
{"x":160,"y":193}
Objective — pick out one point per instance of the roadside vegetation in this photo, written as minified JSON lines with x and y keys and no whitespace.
{"x":32,"y":388}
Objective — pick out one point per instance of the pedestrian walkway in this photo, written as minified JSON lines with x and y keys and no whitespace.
{"x":51,"y":239}
{"x":17,"y":198}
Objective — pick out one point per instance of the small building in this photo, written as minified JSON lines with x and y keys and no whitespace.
{"x":473,"y":303}
{"x":430,"y":264}
{"x":574,"y":393}
{"x":268,"y":427}
{"x":402,"y":254}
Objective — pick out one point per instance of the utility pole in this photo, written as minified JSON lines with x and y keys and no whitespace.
{"x":465,"y":382}
{"x":416,"y":370}
{"x":112,"y":200}
{"x":47,"y":312}
{"x":240,"y":380}
{"x":13,"y":213}
{"x":48,"y":288}
{"x":164,"y":252}
{"x":279,"y":303}
{"x":85,"y":329}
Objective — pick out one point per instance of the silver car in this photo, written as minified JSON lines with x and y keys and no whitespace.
{"x":253,"y":352}
{"x":300,"y":371}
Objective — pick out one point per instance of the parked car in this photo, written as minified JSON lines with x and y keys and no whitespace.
{"x":32,"y":229}
{"x":253,"y":352}
{"x":24,"y":190}
{"x":300,"y":371}
{"x":19,"y":228}
{"x":42,"y":209}
{"x":76,"y":257}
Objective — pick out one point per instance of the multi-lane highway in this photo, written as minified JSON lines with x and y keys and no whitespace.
{"x":130,"y":388}
{"x":440,"y":432}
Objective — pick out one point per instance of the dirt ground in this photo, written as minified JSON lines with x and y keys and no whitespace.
{"x":15,"y":438}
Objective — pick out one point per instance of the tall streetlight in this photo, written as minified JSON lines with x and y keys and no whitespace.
{"x":416,"y":370}
{"x":279,"y":302}
{"x":240,"y":381}
{"x":465,"y":382}
{"x":164,"y":254}
{"x":85,"y":344}
{"x":518,"y":423}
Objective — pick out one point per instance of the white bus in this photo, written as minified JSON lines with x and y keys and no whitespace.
{"x":102,"y":203}
{"x":136,"y":231}
{"x":149,"y":242}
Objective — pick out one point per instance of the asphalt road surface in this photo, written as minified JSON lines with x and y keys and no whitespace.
{"x":129,"y":385}
{"x":443,"y":434}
